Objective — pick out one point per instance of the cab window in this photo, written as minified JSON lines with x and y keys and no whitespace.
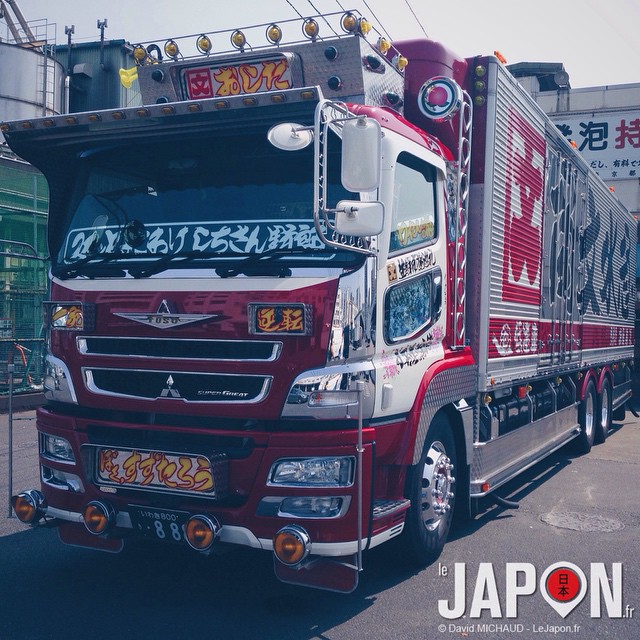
{"x":414,"y":208}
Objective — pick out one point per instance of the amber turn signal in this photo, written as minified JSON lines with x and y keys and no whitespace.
{"x":28,"y":506}
{"x":98,"y":517}
{"x":291,"y":545}
{"x":202,"y":532}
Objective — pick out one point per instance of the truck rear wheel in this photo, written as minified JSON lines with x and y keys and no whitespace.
{"x":604,"y":412}
{"x":587,"y":419}
{"x":431,"y":485}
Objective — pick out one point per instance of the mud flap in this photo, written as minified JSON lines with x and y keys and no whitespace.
{"x":330,"y":574}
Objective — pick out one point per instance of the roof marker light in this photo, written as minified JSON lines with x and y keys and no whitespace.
{"x":274,"y":34}
{"x":204,"y":45}
{"x":383,"y":45}
{"x":364,"y":26}
{"x":500,"y":57}
{"x":238,"y":40}
{"x":139,"y":53}
{"x":349,"y":23}
{"x":310,"y":29}
{"x":400,"y":62}
{"x":171,"y":49}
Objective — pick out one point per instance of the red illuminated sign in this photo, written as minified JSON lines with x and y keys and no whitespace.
{"x":280,"y":319}
{"x":233,"y":80}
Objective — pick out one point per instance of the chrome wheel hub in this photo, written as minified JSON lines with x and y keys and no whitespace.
{"x":437,"y":486}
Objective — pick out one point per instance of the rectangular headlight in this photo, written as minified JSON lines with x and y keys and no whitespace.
{"x":57,"y":448}
{"x":313,"y":472}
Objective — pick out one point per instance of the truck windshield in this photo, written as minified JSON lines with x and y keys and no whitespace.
{"x":150,"y":208}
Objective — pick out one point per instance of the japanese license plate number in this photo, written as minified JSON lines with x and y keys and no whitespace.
{"x":162,"y":524}
{"x":155,"y":470}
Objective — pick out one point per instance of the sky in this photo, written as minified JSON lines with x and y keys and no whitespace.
{"x":596,"y":40}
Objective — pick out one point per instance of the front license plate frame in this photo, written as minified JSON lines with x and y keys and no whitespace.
{"x":164,"y":525}
{"x":155,"y":470}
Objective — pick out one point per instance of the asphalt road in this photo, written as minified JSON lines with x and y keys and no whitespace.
{"x":578,"y":510}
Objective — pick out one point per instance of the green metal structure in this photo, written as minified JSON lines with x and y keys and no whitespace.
{"x":23,"y":271}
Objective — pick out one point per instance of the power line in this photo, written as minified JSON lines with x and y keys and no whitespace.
{"x":366,"y":4}
{"x":323,"y":17}
{"x":416,"y":17}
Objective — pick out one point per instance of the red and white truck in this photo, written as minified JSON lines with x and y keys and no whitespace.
{"x":310,"y":296}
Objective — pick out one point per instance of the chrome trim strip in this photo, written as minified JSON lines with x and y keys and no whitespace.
{"x":342,"y":548}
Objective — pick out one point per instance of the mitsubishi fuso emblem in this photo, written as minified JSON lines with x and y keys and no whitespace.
{"x":169,"y":391}
{"x":166,"y":317}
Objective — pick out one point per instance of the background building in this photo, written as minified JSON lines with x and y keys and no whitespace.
{"x":39,"y":78}
{"x":32,"y":84}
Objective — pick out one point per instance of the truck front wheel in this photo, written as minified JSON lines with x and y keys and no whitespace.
{"x":431,"y":489}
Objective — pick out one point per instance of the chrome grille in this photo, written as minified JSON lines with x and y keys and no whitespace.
{"x":180,"y":386}
{"x":180,"y":349}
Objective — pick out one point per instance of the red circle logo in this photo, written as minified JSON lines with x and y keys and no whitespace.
{"x":563,"y":584}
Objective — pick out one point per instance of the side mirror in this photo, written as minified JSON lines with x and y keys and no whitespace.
{"x":359,"y":219}
{"x":361,"y":151}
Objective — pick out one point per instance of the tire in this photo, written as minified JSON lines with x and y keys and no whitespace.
{"x":430,"y":487}
{"x":587,"y":416}
{"x":605,"y":412}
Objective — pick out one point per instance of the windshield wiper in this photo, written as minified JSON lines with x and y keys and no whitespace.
{"x":254,"y":264}
{"x":165,"y":260}
{"x":91,"y":266}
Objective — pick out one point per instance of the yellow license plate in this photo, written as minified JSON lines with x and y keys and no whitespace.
{"x":155,"y":470}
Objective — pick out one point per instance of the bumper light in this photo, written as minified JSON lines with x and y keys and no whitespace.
{"x":29,"y":506}
{"x":311,"y":507}
{"x":291,"y":545}
{"x":202,"y":532}
{"x":62,"y":480}
{"x":98,"y":517}
{"x":333,"y":398}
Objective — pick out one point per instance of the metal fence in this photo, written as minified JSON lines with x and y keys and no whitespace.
{"x":21,"y":340}
{"x":23,"y":272}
